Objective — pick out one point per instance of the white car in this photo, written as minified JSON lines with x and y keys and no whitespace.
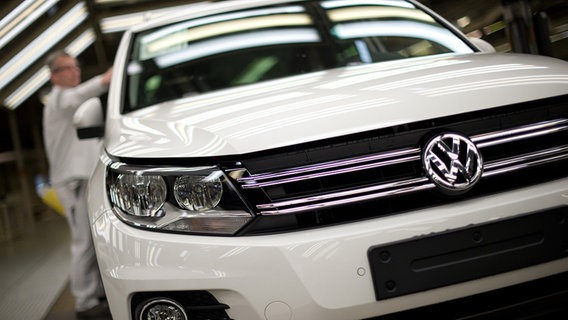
{"x":329,"y":159}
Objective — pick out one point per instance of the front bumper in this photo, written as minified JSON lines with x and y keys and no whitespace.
{"x":315,"y":274}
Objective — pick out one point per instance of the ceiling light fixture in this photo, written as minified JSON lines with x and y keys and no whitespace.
{"x":44,"y":42}
{"x":40,"y":78}
{"x":22,"y":17}
{"x":126,"y":21}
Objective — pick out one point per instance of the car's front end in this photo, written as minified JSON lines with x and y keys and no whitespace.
{"x":258,"y":166}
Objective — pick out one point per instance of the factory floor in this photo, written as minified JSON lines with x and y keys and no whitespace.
{"x":34,"y":270}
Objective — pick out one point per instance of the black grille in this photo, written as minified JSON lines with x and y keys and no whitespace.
{"x":543,"y":299}
{"x":380,"y":172}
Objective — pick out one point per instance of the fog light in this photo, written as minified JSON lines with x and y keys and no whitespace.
{"x":162,"y":309}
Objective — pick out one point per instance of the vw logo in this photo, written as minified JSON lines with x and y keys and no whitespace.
{"x":452,"y":162}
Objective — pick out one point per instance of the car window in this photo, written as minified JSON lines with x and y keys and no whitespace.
{"x":249,"y":46}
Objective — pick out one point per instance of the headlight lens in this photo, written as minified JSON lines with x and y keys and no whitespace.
{"x":198,"y":193}
{"x":140,"y":196}
{"x":191,"y":200}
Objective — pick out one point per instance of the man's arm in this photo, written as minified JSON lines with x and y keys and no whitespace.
{"x":72,"y":98}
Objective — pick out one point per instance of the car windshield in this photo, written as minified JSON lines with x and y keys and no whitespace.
{"x":249,"y":46}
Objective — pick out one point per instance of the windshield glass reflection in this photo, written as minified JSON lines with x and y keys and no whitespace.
{"x":245,"y":47}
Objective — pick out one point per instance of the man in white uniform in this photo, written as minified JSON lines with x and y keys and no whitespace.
{"x":71,"y":162}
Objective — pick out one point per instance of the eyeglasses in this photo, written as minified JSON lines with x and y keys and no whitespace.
{"x":65,"y":68}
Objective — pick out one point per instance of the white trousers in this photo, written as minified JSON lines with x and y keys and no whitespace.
{"x":85,"y":279}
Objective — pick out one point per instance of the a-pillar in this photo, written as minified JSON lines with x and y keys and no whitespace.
{"x":519,"y":26}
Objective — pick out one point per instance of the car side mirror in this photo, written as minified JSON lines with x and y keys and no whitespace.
{"x":89,"y":119}
{"x":482,"y":45}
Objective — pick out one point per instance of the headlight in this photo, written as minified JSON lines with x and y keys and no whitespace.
{"x":193,"y":200}
{"x":198,"y":193}
{"x":137,"y":195}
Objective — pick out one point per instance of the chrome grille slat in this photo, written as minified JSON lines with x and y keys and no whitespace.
{"x":504,"y":136}
{"x":389,"y":188}
{"x":526,"y":161}
{"x":329,"y":169}
{"x":332,"y":172}
{"x":403,"y":184}
{"x":355,"y":199}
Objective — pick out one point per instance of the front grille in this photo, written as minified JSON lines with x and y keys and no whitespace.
{"x":380,"y":173}
{"x":543,"y":299}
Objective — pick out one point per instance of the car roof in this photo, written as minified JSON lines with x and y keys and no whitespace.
{"x":208,"y":8}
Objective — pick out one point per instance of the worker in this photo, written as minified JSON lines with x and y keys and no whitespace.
{"x":71,"y":162}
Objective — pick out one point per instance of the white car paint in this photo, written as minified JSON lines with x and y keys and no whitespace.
{"x":340,"y":102}
{"x":321,"y":273}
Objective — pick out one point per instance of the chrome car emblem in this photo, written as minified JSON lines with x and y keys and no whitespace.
{"x":452,"y":162}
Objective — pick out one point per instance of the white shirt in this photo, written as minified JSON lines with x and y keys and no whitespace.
{"x":69,"y":158}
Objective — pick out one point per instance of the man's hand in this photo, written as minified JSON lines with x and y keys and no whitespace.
{"x":107,"y":76}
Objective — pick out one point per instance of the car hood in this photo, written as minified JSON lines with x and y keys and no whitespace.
{"x":332,"y":103}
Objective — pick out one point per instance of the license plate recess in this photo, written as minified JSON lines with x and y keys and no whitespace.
{"x":447,"y":258}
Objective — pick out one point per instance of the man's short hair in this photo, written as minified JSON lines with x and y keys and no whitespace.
{"x":50,"y":60}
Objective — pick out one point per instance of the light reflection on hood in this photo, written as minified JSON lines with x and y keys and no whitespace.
{"x":333,"y":103}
